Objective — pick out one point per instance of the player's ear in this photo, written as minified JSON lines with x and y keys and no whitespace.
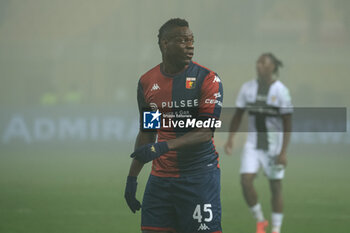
{"x":163,"y":44}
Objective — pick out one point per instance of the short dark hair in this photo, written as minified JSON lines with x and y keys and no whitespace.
{"x":169,"y":25}
{"x":278,"y":63}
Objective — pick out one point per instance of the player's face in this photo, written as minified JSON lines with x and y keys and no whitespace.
{"x":264,"y":67}
{"x":178,"y":48}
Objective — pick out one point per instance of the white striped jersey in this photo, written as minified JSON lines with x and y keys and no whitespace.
{"x":265,"y":106}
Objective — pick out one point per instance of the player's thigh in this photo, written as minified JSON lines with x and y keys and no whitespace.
{"x":272,"y":170}
{"x":198,"y":204}
{"x":249,"y":160}
{"x":157,"y":212}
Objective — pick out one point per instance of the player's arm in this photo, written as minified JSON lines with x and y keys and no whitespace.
{"x":151,"y":151}
{"x":286,"y":109}
{"x":142,"y":138}
{"x":236,"y":120}
{"x":193,"y":137}
{"x":136,"y":166}
{"x":287,"y":127}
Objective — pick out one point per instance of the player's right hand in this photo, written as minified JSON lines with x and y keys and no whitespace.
{"x":130,"y":194}
{"x":228,"y":147}
{"x":148,"y":152}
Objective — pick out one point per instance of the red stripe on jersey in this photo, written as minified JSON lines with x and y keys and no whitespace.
{"x":166,"y":165}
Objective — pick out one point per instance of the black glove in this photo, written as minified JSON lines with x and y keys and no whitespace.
{"x":148,"y":152}
{"x":130,"y":193}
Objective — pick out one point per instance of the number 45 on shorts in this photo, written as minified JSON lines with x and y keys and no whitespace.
{"x":197,"y":214}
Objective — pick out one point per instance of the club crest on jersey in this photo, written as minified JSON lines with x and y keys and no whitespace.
{"x":190,"y":82}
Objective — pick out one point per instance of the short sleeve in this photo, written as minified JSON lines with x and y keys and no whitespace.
{"x":286,"y":106}
{"x":241,"y":100}
{"x":211,"y":97}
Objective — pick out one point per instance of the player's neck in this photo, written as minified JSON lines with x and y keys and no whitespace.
{"x":266,"y":80}
{"x":172,"y":69}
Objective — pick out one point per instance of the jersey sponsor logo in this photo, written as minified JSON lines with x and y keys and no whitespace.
{"x":151,"y":120}
{"x":155,"y":87}
{"x":216,"y":79}
{"x":203,"y":227}
{"x":180,"y":104}
{"x":190,"y":82}
{"x":213,"y":101}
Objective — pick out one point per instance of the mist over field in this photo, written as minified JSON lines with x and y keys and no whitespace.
{"x":68,"y":118}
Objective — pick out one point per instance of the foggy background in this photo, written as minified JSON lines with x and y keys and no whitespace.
{"x":79,"y":61}
{"x":68,"y":113}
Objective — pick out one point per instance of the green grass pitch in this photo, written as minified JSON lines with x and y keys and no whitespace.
{"x":81,"y":191}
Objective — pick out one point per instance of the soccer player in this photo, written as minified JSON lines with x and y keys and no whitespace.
{"x":183,"y":190}
{"x":269,"y":107}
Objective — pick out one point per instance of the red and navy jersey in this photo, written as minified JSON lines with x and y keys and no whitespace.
{"x":197,"y":90}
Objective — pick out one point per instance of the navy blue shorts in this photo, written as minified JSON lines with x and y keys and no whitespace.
{"x":184,"y":205}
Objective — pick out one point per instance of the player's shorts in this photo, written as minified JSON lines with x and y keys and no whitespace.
{"x":253,"y":158}
{"x":184,"y":205}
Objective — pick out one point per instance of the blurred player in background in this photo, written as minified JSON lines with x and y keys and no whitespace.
{"x":183,"y":191}
{"x":269,"y":106}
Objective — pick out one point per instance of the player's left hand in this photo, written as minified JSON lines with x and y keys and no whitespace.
{"x":147,"y":153}
{"x":281,"y":159}
{"x":130,"y":194}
